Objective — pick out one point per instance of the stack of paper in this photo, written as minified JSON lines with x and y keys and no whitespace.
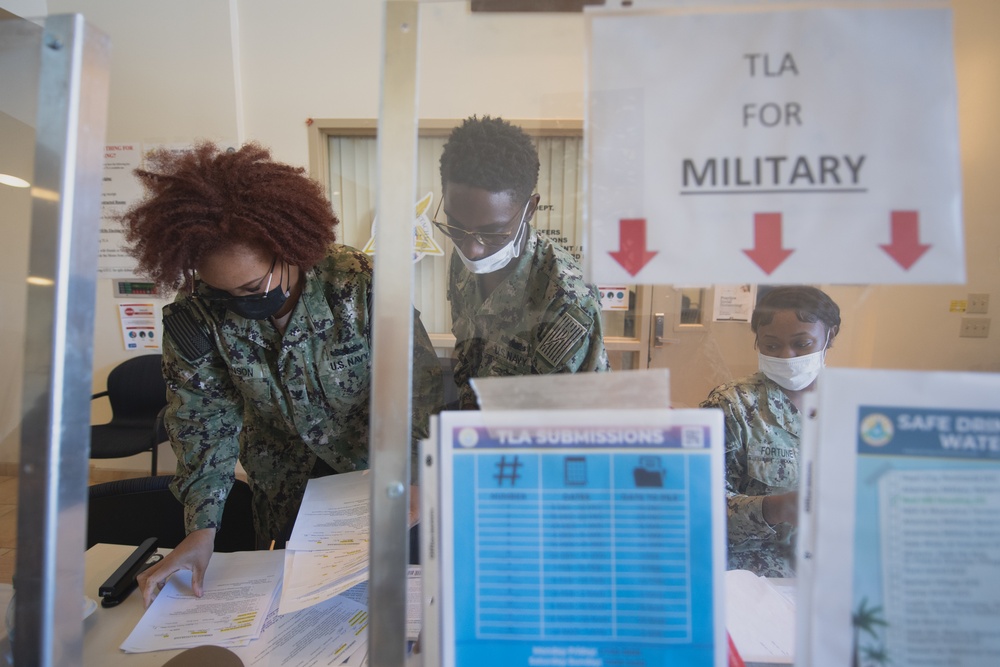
{"x":318,"y":616}
{"x":333,"y":632}
{"x":328,"y":551}
{"x":239,"y":590}
{"x":239,"y":610}
{"x":760,"y":618}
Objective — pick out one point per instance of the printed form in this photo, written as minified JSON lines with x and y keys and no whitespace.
{"x":328,"y":551}
{"x":582,"y":538}
{"x":239,"y":590}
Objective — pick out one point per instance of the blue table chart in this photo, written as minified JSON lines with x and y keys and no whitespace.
{"x":583,"y":555}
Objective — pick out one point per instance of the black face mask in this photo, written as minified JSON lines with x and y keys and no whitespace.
{"x":257,"y":307}
{"x":253,"y":306}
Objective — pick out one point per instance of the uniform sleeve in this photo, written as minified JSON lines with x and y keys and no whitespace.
{"x":203,"y":418}
{"x":466,"y":351}
{"x":572,"y":339}
{"x":744,"y":512}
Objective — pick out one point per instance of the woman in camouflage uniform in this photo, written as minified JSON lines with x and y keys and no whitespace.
{"x":794,"y":327}
{"x":267,"y":348}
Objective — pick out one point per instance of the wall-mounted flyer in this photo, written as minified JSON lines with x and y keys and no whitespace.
{"x":905,"y":538}
{"x":140,"y":326}
{"x":586,"y":538}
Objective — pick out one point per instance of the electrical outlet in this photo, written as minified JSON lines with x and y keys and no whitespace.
{"x":979,"y":304}
{"x":975,"y":327}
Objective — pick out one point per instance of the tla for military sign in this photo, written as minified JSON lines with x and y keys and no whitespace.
{"x":810,"y":145}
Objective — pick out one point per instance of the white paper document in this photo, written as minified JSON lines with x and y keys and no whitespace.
{"x":327,"y":633}
{"x":734,"y":303}
{"x":765,"y":170}
{"x":760,"y":618}
{"x":327,"y":553}
{"x":414,"y":608}
{"x":314,"y":576}
{"x":239,"y":590}
{"x":334,"y":512}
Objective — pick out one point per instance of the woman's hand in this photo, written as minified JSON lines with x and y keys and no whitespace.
{"x":781,"y":508}
{"x":193,"y":553}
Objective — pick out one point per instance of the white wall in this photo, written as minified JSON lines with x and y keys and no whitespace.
{"x":18,"y":144}
{"x":27,"y":9}
{"x":181,"y":72}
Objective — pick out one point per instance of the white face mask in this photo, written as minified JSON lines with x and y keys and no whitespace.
{"x":500,"y":258}
{"x":795,"y":373}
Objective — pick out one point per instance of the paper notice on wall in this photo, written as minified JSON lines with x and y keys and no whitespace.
{"x":734,"y":303}
{"x":120,"y":189}
{"x":140,"y":326}
{"x":614,"y":297}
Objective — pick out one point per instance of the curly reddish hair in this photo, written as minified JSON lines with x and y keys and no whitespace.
{"x":200,"y":201}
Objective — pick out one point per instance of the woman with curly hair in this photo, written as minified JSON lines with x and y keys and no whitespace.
{"x":267,"y":348}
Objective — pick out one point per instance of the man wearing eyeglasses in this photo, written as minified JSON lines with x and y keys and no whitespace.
{"x":519,"y":304}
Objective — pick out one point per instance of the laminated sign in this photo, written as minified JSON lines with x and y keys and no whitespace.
{"x":574,"y":538}
{"x":814,"y":146}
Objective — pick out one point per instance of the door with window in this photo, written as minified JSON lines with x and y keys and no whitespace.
{"x":702,"y":347}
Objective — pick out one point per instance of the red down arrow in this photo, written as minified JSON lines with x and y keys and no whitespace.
{"x":767,"y":252}
{"x":632,"y":253}
{"x":904,"y":243}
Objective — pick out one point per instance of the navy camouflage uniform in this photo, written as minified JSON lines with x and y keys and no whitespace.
{"x":287,"y":407}
{"x":541,"y":319}
{"x":763,"y":430}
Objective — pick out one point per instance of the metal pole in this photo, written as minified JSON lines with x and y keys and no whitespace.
{"x":62,"y":267}
{"x":393,"y":332}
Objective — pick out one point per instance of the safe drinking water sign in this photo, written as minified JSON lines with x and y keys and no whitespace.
{"x":813,"y":146}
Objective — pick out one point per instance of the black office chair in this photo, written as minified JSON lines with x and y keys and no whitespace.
{"x":137,"y":394}
{"x":128,"y":511}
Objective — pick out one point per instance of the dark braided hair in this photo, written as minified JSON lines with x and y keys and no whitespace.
{"x":810,"y":305}
{"x":203,"y":200}
{"x":491,"y":154}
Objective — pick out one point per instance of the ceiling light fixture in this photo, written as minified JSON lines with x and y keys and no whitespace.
{"x":14,"y":181}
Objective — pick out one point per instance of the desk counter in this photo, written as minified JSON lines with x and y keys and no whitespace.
{"x":107,"y":628}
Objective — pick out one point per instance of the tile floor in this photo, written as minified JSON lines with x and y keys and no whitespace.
{"x":8,"y":517}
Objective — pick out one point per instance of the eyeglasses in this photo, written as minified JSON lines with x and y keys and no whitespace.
{"x":213,"y":294}
{"x":485,"y":239}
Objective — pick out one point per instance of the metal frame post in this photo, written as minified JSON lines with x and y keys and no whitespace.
{"x":392,"y":370}
{"x":55,"y":445}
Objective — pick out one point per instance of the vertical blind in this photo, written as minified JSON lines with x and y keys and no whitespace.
{"x":353,"y":176}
